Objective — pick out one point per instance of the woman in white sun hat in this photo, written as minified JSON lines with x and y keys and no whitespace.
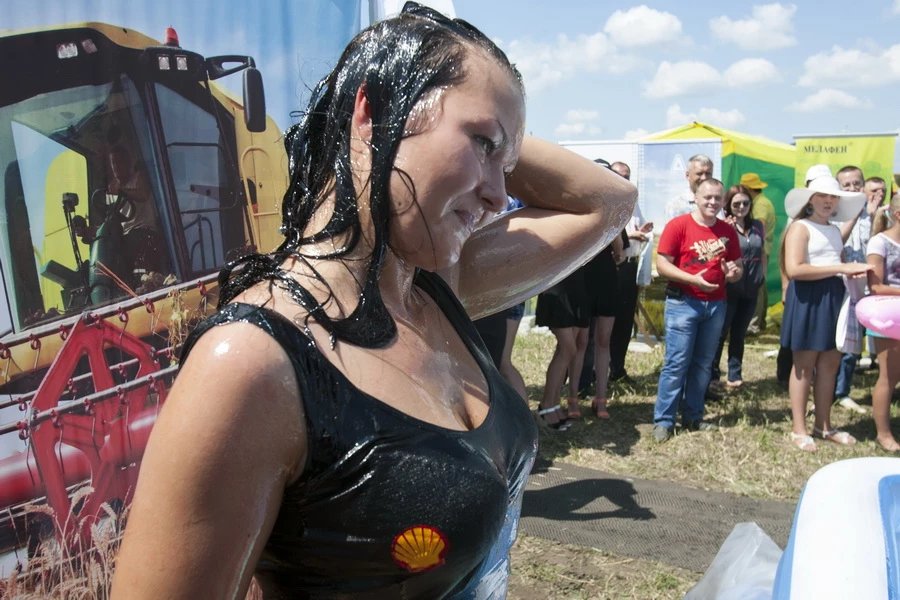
{"x":811,"y":259}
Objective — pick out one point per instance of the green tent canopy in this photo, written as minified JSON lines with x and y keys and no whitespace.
{"x":741,"y":153}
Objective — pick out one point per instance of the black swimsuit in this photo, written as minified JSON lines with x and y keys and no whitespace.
{"x":389,"y":506}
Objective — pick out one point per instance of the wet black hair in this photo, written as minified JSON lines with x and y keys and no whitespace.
{"x":398,"y":61}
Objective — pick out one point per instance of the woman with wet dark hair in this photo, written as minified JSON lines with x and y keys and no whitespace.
{"x":337,"y":428}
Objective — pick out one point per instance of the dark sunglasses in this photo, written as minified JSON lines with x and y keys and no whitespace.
{"x":741,"y":203}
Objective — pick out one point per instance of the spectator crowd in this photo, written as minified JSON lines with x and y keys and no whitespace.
{"x":713,"y":253}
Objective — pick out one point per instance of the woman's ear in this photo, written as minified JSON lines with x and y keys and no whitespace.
{"x":362,"y":116}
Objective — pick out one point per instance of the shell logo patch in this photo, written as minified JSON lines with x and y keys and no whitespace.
{"x":419,"y":548}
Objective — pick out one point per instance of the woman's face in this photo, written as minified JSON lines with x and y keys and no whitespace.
{"x":466,"y":144}
{"x":740,"y":205}
{"x":824,"y":205}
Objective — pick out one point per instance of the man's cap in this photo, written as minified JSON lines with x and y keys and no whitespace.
{"x":816,"y":171}
{"x":753,"y":182}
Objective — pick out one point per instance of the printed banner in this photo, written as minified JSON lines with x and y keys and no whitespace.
{"x":874,"y":154}
{"x":662,"y":168}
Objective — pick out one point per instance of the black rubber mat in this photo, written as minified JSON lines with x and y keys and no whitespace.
{"x":653,"y":520}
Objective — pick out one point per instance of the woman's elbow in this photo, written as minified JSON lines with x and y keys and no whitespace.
{"x":619,"y":203}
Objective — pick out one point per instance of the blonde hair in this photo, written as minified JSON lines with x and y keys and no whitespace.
{"x":882,"y":219}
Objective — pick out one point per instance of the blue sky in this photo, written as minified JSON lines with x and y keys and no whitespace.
{"x":593,"y":70}
{"x":598,"y":70}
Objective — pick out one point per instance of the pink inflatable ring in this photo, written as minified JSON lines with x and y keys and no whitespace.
{"x":880,"y":314}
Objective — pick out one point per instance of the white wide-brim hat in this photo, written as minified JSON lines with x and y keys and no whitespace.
{"x":849,"y":206}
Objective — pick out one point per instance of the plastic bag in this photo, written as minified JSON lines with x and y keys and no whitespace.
{"x":743,"y":569}
{"x":645,"y":263}
{"x":848,"y":336}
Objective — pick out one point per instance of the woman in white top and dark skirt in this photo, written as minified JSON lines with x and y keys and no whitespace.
{"x":811,"y":258}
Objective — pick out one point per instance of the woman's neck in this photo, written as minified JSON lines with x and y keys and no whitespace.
{"x":818,"y":220}
{"x":893,"y":231}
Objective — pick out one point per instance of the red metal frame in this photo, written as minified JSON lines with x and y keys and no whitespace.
{"x":107,"y":435}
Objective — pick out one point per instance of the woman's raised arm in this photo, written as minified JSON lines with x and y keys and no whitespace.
{"x":574,"y":208}
{"x":228,"y":440}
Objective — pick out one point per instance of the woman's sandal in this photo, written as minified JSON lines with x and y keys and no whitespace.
{"x":560,"y":425}
{"x":598,"y":405}
{"x":891,"y":446}
{"x":804,"y":442}
{"x":574,"y":411}
{"x":835,"y":435}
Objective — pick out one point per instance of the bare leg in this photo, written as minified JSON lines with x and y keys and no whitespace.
{"x":507,"y":369}
{"x":575,"y":366}
{"x":556,"y":370}
{"x":827,"y":364}
{"x":801,"y":378}
{"x":888,"y":352}
{"x":602,"y":334}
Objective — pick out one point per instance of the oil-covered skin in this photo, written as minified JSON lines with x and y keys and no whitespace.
{"x":574,"y":208}
{"x":230,"y":438}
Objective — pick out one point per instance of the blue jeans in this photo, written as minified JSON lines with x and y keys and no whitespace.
{"x":693,"y":328}
{"x":845,"y":375}
{"x":737,"y":320}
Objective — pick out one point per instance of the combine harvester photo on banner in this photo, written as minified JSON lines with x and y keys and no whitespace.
{"x":129,"y":179}
{"x":131,"y":175}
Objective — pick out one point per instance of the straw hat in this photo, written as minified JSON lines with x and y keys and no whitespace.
{"x":751,"y":181}
{"x":849,"y":206}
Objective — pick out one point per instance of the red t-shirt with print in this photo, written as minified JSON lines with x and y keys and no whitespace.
{"x":694,"y":247}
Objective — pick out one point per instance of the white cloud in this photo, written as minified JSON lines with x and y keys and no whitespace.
{"x":769,"y":28}
{"x":544,"y":65}
{"x":570,"y":128}
{"x":579,"y":121}
{"x":576,"y":114}
{"x":751,"y":71}
{"x":712,"y":116}
{"x":688,"y":77}
{"x":643,"y":26}
{"x":852,"y":68}
{"x":681,"y":78}
{"x":634,"y":134}
{"x":896,"y":7}
{"x":830,"y":99}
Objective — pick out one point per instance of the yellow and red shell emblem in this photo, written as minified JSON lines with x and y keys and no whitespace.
{"x":419,"y":548}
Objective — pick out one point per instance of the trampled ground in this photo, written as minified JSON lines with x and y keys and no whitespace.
{"x":750,"y":456}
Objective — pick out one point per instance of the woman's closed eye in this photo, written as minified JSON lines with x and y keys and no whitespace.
{"x":488,"y":145}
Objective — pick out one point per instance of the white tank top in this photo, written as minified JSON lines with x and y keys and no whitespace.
{"x":825,"y":244}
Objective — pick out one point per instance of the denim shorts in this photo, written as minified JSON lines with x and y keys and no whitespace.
{"x":515,"y":313}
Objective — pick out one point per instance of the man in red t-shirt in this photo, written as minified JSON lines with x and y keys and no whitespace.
{"x":698,"y":253}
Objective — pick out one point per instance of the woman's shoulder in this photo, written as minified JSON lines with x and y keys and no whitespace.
{"x":231,"y":346}
{"x":880,"y":242}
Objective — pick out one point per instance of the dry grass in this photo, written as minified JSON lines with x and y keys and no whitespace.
{"x":751,"y":455}
{"x":53,"y":572}
{"x":542,"y":569}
